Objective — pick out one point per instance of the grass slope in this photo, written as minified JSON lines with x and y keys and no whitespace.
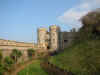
{"x":81,"y":59}
{"x":33,"y":69}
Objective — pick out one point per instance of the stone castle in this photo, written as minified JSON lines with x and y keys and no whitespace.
{"x":52,"y":40}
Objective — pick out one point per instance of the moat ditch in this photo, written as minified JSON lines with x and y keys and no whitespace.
{"x":51,"y":69}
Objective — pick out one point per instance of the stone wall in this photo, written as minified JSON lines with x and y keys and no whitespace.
{"x":7,"y":46}
{"x":66,"y":39}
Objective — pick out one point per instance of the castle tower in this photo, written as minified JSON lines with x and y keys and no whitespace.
{"x":54,"y":37}
{"x":42,"y":37}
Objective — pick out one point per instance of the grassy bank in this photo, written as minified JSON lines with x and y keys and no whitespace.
{"x":81,"y":59}
{"x":33,"y":69}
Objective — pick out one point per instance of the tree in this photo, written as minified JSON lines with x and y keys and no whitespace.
{"x":92,"y":21}
{"x":16,"y":54}
{"x":8,"y":62}
{"x":91,"y":26}
{"x":31,"y":52}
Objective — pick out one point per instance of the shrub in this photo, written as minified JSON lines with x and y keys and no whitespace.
{"x":8,"y":62}
{"x":0,"y":56}
{"x":1,"y":64}
{"x":1,"y":69}
{"x":16,"y":54}
{"x":31,"y":52}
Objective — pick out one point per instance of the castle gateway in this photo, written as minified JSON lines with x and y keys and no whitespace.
{"x":54,"y":39}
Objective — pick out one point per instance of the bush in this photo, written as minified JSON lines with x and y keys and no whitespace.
{"x":31,"y":52}
{"x":1,"y":64}
{"x":16,"y":54}
{"x":1,"y":69}
{"x":8,"y":62}
{"x":0,"y":56}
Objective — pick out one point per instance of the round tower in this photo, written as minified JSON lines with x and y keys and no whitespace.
{"x":42,"y":37}
{"x":54,"y":37}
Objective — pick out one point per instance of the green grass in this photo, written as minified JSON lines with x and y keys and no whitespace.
{"x":33,"y":69}
{"x":81,"y":59}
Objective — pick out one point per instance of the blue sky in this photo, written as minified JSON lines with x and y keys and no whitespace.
{"x":19,"y":19}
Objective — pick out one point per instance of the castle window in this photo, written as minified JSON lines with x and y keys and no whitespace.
{"x":65,"y":41}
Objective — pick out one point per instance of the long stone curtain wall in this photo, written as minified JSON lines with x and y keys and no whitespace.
{"x":6,"y":46}
{"x":9,"y":43}
{"x":24,"y":56}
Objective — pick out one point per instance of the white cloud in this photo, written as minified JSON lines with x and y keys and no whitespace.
{"x":72,"y":16}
